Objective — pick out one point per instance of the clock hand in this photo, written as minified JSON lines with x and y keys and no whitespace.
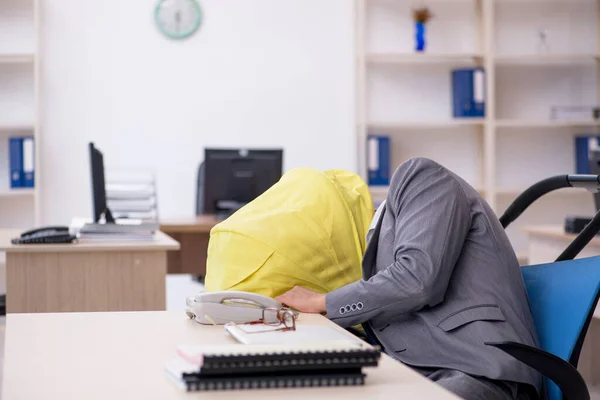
{"x":178,"y":20}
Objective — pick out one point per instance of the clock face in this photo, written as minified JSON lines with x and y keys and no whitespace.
{"x":178,"y":19}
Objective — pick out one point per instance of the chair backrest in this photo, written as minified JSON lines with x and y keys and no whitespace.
{"x":563,"y":296}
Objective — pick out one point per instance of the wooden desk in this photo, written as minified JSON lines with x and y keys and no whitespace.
{"x":545,"y":244}
{"x":122,"y":356}
{"x":192,"y":234}
{"x":118,"y":276}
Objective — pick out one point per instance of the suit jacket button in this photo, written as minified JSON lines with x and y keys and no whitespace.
{"x":342,"y":310}
{"x":359,"y":305}
{"x":348,"y":308}
{"x":354,"y":307}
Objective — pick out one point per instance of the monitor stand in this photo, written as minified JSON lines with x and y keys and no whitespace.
{"x":108,"y":217}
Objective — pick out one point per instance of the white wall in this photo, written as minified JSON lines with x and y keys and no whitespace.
{"x":258,"y":73}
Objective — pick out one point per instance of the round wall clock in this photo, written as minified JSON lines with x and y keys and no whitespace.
{"x":178,"y":19}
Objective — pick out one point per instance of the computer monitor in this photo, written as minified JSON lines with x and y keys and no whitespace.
{"x":98,"y":186}
{"x":235,"y":177}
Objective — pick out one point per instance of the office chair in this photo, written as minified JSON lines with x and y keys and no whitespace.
{"x":562,"y":295}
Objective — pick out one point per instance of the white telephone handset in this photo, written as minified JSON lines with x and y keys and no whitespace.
{"x":228,"y":306}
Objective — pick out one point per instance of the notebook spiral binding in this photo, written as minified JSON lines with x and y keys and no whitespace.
{"x":290,"y":361}
{"x":197,"y":383}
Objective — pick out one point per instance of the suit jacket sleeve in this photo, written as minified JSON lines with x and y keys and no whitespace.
{"x":432,"y":220}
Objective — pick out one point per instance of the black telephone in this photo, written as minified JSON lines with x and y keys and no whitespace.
{"x":49,"y":234}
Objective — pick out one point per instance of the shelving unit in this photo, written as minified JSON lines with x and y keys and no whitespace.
{"x":398,"y":58}
{"x":546,"y":59}
{"x":401,"y":125}
{"x":17,"y":58}
{"x":407,"y":95}
{"x":524,"y":123}
{"x":19,"y":102}
{"x":17,"y":192}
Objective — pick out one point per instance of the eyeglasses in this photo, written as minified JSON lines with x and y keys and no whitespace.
{"x":277,"y":317}
{"x":271,"y":317}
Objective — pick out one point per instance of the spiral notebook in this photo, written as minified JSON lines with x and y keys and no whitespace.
{"x":226,"y":367}
{"x":276,"y":358}
{"x":270,"y":381}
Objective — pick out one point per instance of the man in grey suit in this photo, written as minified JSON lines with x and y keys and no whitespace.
{"x":440,"y":279}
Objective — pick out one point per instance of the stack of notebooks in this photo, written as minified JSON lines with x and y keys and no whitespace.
{"x":232,"y":367}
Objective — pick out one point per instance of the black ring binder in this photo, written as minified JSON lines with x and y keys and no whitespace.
{"x":210,"y":370}
{"x":349,"y":377}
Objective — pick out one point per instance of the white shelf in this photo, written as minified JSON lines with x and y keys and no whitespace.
{"x":422,"y":58}
{"x":506,"y":191}
{"x":16,"y":128}
{"x":546,"y":59}
{"x":383,"y":125}
{"x":514,"y":192}
{"x":543,"y":2}
{"x":378,"y":191}
{"x":17,"y":192}
{"x":518,"y":123}
{"x":16,"y":58}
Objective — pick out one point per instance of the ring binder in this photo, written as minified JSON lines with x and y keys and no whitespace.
{"x":291,"y":361}
{"x":348,"y":377}
{"x":278,"y":366}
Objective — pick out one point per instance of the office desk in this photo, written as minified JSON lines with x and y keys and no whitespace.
{"x":122,"y":356}
{"x":545,"y":244}
{"x":108,"y":276}
{"x":193,"y":234}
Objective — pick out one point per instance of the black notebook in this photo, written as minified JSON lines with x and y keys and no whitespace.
{"x":261,"y":366}
{"x":269,"y":380}
{"x":277,"y":358}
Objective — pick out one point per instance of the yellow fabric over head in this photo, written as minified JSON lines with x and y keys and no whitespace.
{"x":308,"y":230}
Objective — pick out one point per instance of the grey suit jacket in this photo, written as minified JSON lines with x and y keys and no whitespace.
{"x":440,"y":278}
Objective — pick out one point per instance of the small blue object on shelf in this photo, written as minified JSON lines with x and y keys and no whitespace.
{"x":15,"y":150}
{"x":468,"y":93}
{"x":420,"y":30}
{"x":583,"y":145}
{"x":378,"y":160}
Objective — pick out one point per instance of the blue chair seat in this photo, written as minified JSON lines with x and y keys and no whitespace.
{"x":563,"y":296}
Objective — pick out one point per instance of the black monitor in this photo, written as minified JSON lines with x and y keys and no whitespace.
{"x":235,"y":177}
{"x":98,"y":186}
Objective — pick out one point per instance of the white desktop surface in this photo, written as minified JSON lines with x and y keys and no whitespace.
{"x":121,"y":355}
{"x":161,"y":242}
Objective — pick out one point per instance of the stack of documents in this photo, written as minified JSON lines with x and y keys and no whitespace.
{"x":132,"y":194}
{"x":119,"y":232}
{"x":228,"y":367}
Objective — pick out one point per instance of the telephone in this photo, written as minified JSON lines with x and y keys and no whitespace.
{"x":49,"y":234}
{"x":228,"y":306}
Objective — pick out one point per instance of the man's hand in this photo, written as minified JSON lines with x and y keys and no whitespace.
{"x":303,"y":300}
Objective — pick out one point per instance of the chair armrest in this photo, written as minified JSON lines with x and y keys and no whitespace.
{"x":559,"y":371}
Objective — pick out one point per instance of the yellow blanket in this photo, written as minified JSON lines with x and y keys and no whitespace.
{"x":308,"y":229}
